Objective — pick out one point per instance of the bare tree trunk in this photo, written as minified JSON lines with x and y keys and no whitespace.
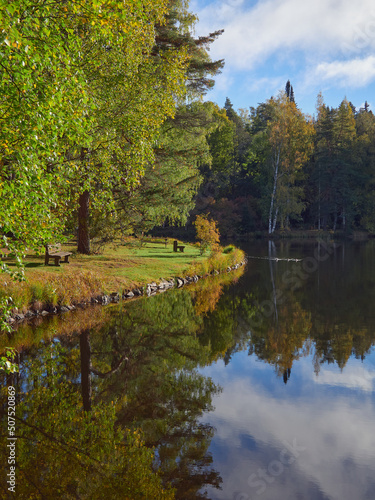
{"x":270,"y":227}
{"x":83,"y":224}
{"x":270,"y":215}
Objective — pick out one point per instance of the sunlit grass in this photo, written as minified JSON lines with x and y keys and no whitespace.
{"x":117,"y":268}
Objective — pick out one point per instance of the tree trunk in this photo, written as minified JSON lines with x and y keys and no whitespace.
{"x":270,"y":229}
{"x":270,"y":215}
{"x":83,"y":224}
{"x":85,"y":349}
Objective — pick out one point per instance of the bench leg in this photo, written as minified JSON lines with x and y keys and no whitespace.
{"x":66,"y":259}
{"x":57,"y":260}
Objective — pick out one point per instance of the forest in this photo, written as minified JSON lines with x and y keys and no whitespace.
{"x":283,"y":170}
{"x":107,"y":131}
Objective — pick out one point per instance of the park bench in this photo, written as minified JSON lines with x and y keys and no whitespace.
{"x":177,"y":247}
{"x":54,"y":252}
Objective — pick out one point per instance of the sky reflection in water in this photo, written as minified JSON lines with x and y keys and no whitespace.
{"x":310,"y":438}
{"x":327,"y":419}
{"x":313,"y":437}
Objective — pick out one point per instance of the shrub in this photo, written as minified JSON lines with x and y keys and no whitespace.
{"x":228,"y":249}
{"x":207,"y":233}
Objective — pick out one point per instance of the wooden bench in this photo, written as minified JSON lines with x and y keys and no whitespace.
{"x":54,"y":252}
{"x":177,"y":247}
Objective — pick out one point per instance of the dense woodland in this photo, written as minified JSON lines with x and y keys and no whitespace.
{"x":282,"y":170}
{"x":105,"y":132}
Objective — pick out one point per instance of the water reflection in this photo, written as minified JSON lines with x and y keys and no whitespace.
{"x":65,"y":452}
{"x":323,"y":417}
{"x":159,"y":389}
{"x":93,"y":404}
{"x":259,"y":389}
{"x":328,"y":432}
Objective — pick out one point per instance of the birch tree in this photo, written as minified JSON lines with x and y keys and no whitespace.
{"x":290,"y":137}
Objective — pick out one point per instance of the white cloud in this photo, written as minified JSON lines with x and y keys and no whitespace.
{"x":353,"y":377}
{"x":332,"y":433}
{"x":354,"y":73}
{"x":253,"y":33}
{"x":257,"y":84}
{"x":223,"y":82}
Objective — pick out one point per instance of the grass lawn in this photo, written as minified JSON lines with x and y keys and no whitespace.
{"x":128,"y":265}
{"x":117,"y":268}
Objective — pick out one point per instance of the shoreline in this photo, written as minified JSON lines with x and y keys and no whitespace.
{"x":150,"y":289}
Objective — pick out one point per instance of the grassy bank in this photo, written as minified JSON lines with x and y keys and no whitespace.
{"x":117,"y":268}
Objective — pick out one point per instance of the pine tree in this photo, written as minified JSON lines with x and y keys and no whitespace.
{"x":333,"y":173}
{"x":345,"y":135}
{"x":174,"y":34}
{"x":289,"y":92}
{"x":228,"y":106}
{"x":287,"y":89}
{"x":291,"y":98}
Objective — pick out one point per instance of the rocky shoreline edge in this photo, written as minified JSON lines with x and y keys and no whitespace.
{"x":148,"y":290}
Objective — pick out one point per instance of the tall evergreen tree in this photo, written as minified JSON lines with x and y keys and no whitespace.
{"x":228,"y":106}
{"x":365,"y":152}
{"x":175,"y":67}
{"x":289,"y":92}
{"x":344,"y":178}
{"x":291,"y":97}
{"x":334,"y":167}
{"x":176,"y":33}
{"x":287,"y":89}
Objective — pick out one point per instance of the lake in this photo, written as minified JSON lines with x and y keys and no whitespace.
{"x":254,"y":385}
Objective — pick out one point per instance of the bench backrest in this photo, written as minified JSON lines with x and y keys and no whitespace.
{"x":53,"y":248}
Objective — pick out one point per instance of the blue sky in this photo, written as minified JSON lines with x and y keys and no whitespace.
{"x":319,"y":45}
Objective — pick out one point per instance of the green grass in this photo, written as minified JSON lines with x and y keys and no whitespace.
{"x":118,"y":268}
{"x":126,"y":263}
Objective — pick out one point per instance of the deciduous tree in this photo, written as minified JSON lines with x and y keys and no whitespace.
{"x":207,"y":233}
{"x":290,"y":135}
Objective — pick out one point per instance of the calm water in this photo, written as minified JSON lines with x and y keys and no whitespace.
{"x":258,"y":389}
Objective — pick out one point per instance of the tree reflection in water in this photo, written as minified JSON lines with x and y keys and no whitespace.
{"x":129,"y":374}
{"x":92,"y":407}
